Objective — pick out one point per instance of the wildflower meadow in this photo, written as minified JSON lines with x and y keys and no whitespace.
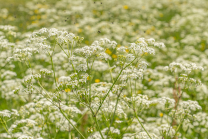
{"x":103,"y":69}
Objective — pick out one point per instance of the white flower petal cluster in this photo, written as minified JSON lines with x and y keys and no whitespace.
{"x":165,"y":129}
{"x":106,"y":43}
{"x":190,"y":105}
{"x":187,"y":67}
{"x":8,"y":27}
{"x":24,"y":54}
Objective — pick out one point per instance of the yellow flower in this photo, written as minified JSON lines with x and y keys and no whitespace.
{"x":103,"y":84}
{"x":4,"y":16}
{"x":79,"y":30}
{"x":43,"y":16}
{"x":114,"y":56}
{"x":148,"y":31}
{"x":33,"y":17}
{"x":34,"y":22}
{"x":88,"y":78}
{"x":126,"y":7}
{"x":77,"y":16}
{"x":149,"y":79}
{"x":108,"y":51}
{"x":94,"y":11}
{"x":139,"y":92}
{"x":67,"y":90}
{"x":97,"y":80}
{"x":38,"y":16}
{"x":161,"y":14}
{"x":131,"y":24}
{"x":202,"y":46}
{"x":57,"y":79}
{"x":161,"y":114}
{"x":87,"y":42}
{"x":152,"y":28}
{"x":11,"y":18}
{"x":36,"y":11}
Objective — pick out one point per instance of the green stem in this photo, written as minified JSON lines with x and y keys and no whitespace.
{"x":135,"y":86}
{"x":114,"y":113}
{"x":89,"y":83}
{"x":179,"y":126}
{"x":71,"y":123}
{"x":62,"y":112}
{"x":49,"y":97}
{"x":110,"y":71}
{"x":94,"y":117}
{"x":95,"y":120}
{"x":141,"y":124}
{"x":71,"y":62}
{"x":63,"y":50}
{"x":54,"y":75}
{"x":90,"y":80}
{"x":81,"y":117}
{"x":174,"y":112}
{"x":4,"y":125}
{"x":113,"y":85}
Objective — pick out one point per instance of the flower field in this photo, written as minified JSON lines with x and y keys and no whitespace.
{"x":104,"y":69}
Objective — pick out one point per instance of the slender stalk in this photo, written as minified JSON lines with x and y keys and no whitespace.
{"x":90,"y":81}
{"x":141,"y":124}
{"x":71,"y":62}
{"x":135,"y":86}
{"x":81,"y":117}
{"x":95,"y":120}
{"x":113,"y":85}
{"x":130,"y":122}
{"x":131,"y":88}
{"x":72,"y":49}
{"x":109,"y":92}
{"x":179,"y":126}
{"x":56,"y":85}
{"x":114,"y":113}
{"x":94,"y":117}
{"x":173,"y":117}
{"x":175,"y":112}
{"x":63,"y":113}
{"x":4,"y":125}
{"x":49,"y":99}
{"x":54,"y":75}
{"x":110,"y":71}
{"x":63,"y":50}
{"x":71,"y":123}
{"x":29,"y":63}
